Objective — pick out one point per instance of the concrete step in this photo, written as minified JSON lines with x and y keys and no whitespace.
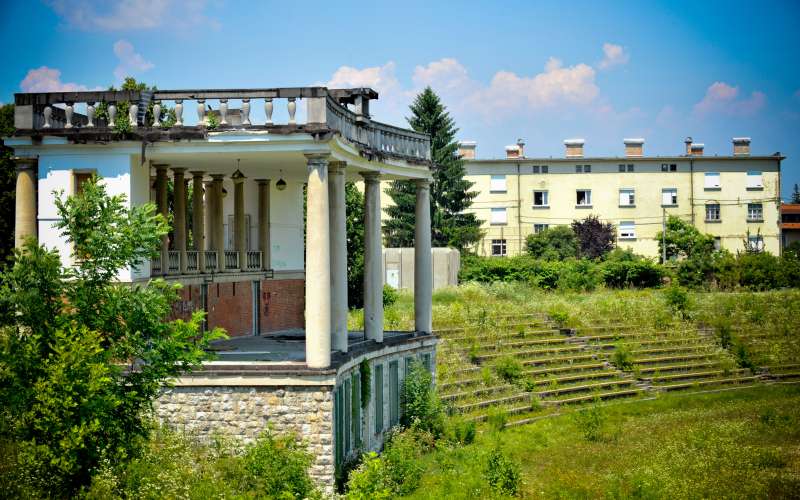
{"x":690,"y":366}
{"x":568,"y":368}
{"x":691,"y":375}
{"x":705,"y":383}
{"x":674,"y":349}
{"x":570,"y":389}
{"x":513,"y":398}
{"x":477,"y":392}
{"x":591,"y":397}
{"x":673,"y":359}
{"x":530,"y":353}
{"x":566,"y":379}
{"x":558,"y":360}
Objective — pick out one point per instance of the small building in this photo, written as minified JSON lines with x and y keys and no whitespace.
{"x":790,"y":223}
{"x":247,"y":160}
{"x":728,"y":196}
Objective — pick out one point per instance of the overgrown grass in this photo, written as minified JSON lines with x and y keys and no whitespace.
{"x":733,"y":444}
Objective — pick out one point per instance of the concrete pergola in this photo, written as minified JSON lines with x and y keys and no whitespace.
{"x":338,"y":141}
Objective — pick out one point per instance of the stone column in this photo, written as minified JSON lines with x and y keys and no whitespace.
{"x":163,"y":209}
{"x":338,"y":229}
{"x":198,"y":220}
{"x":218,"y":229}
{"x":423,"y":270}
{"x":179,"y":205}
{"x":263,"y":223}
{"x":373,"y":279}
{"x":25,"y":210}
{"x":239,"y":226}
{"x":318,"y":265}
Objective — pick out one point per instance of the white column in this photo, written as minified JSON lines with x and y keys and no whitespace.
{"x":217,"y":224}
{"x":198,"y":220}
{"x":338,"y":229}
{"x":318,"y":265}
{"x":373,"y":279}
{"x":163,"y":209}
{"x":239,"y":226}
{"x":179,"y":218}
{"x":25,"y":213}
{"x":423,"y":270}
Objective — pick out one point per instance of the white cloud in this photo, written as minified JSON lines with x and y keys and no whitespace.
{"x":614,"y":55}
{"x":129,"y":15}
{"x":130,"y":61}
{"x":380,"y":78}
{"x":724,"y":99}
{"x":46,"y":79}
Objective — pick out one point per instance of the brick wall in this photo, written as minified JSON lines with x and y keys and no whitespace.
{"x":230,"y":305}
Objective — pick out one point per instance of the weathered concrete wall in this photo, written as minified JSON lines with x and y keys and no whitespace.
{"x":244,"y":412}
{"x":398,"y":267}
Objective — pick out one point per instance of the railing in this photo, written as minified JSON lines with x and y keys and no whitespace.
{"x":112,"y":112}
{"x":192,"y":265}
{"x":211,"y":261}
{"x":155,"y":265}
{"x":174,"y":262}
{"x":253,"y":261}
{"x":231,"y":260}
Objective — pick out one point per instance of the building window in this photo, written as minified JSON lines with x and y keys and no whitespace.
{"x":669,"y":167}
{"x":499,"y":216}
{"x":754,"y":180}
{"x":755,"y":242}
{"x":583,"y":169}
{"x":627,"y":198}
{"x":755,"y":212}
{"x":348,"y":422}
{"x":583,"y":197}
{"x":578,"y":169}
{"x":80,"y":179}
{"x":338,"y":417}
{"x":499,"y":248}
{"x":356,"y":420}
{"x":394,"y":393}
{"x":538,"y":228}
{"x":625,"y":168}
{"x":712,"y":180}
{"x":717,"y":243}
{"x":545,"y":168}
{"x":669,"y":197}
{"x":378,"y":398}
{"x":712,"y":212}
{"x":497,"y":184}
{"x":627,"y":230}
{"x":540,"y":199}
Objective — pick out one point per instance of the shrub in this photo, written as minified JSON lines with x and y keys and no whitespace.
{"x":579,"y":276}
{"x":277,"y":466}
{"x":390,"y":296}
{"x":508,"y":368}
{"x":462,"y":431}
{"x":397,"y":472}
{"x":638,"y":272}
{"x":559,"y":315}
{"x":595,"y":239}
{"x":370,"y":480}
{"x":590,"y":422}
{"x":677,"y":299}
{"x":502,"y":473}
{"x":497,"y":417}
{"x":623,"y":357}
{"x":422,"y":408}
{"x":760,"y":271}
{"x":554,"y":243}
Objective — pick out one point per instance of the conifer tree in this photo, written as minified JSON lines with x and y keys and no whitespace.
{"x":450,"y":192}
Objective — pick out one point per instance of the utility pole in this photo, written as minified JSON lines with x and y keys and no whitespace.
{"x":663,"y":235}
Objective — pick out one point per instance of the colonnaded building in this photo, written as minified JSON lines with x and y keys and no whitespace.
{"x":734,"y":197}
{"x":244,"y":158}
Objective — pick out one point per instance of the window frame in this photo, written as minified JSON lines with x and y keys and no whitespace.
{"x":493,"y":188}
{"x":709,"y":206}
{"x":631,"y":197}
{"x":498,"y":210}
{"x":754,"y":174}
{"x":540,"y":227}
{"x":502,"y":244}
{"x":630,"y":233}
{"x":673,"y":194}
{"x":750,"y":211}
{"x":710,"y":186}
{"x":379,"y":426}
{"x":587,"y":198}
{"x":545,"y":198}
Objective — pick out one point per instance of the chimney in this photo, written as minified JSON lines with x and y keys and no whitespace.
{"x":697,"y":149}
{"x":521,"y":147}
{"x":574,"y":148}
{"x":513,"y":151}
{"x":688,"y":142}
{"x":741,"y":146}
{"x":466,"y":149}
{"x":634,"y":147}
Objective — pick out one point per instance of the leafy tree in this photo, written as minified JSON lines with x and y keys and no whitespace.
{"x":354,"y":202}
{"x":595,"y":239}
{"x":81,"y":356}
{"x":554,"y":243}
{"x":7,"y":184}
{"x":684,"y":240}
{"x":450,"y":194}
{"x":796,"y":194}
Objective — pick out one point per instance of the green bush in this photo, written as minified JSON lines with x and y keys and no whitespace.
{"x":579,"y":276}
{"x":554,"y":243}
{"x":677,"y":299}
{"x":421,"y":407}
{"x":462,"y":431}
{"x":390,"y":296}
{"x":623,"y":357}
{"x":760,"y":271}
{"x":559,"y":315}
{"x":508,"y":368}
{"x":370,"y":480}
{"x":502,"y":473}
{"x":497,"y":418}
{"x":397,"y":472}
{"x":626,"y":270}
{"x":590,"y":422}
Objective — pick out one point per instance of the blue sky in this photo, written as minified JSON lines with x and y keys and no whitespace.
{"x":542,"y":71}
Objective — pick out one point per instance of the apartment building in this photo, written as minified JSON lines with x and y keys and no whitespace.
{"x":733,"y":197}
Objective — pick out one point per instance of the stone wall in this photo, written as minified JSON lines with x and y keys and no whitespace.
{"x":244,"y":412}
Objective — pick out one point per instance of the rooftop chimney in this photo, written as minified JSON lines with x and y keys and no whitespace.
{"x":513,"y":151}
{"x":634,"y":147}
{"x":574,"y":148}
{"x":741,"y":146}
{"x":688,"y":142}
{"x":696,"y":149}
{"x":466,"y":149}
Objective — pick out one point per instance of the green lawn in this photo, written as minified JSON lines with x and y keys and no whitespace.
{"x":732,"y":444}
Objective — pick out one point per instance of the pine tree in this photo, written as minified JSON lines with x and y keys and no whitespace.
{"x":450,"y":194}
